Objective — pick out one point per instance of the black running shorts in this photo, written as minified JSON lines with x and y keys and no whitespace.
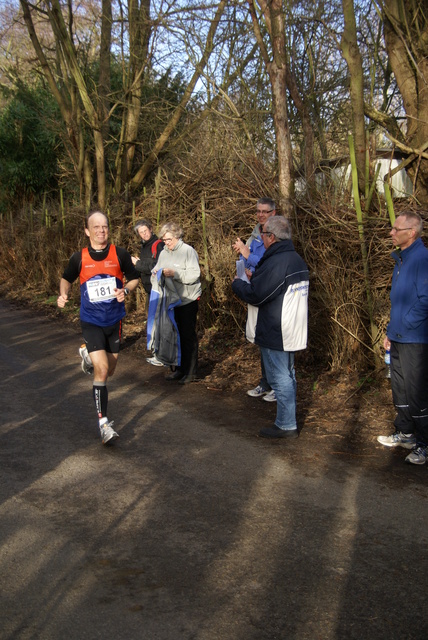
{"x":102,"y":338}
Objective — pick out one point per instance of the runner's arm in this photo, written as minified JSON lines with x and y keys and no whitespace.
{"x":130,"y":286}
{"x":71,"y":272}
{"x":64,"y":290}
{"x":129,"y":271}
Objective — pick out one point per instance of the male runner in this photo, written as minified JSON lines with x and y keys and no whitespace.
{"x":101,"y":268}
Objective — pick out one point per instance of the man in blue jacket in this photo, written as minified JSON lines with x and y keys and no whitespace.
{"x":407,"y":339}
{"x":279,"y":289}
{"x":251,"y":252}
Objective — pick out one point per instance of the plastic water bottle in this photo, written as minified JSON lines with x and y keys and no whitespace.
{"x":387,"y":363}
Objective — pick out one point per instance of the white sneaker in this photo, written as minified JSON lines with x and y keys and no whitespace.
{"x":108,"y":434}
{"x":87,"y":366}
{"x":154,"y":360}
{"x":398,"y":439}
{"x":258,"y":392}
{"x":270,"y":397}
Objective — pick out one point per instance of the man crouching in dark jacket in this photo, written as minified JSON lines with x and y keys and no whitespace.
{"x":279,"y":289}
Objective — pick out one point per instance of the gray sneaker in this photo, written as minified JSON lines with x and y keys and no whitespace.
{"x":87,"y":366}
{"x":155,"y":361}
{"x":108,"y":434}
{"x":398,"y":439}
{"x":270,"y":397}
{"x":418,"y":455}
{"x":258,"y":392}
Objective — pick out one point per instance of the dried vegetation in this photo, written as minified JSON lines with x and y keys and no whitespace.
{"x":215,"y":201}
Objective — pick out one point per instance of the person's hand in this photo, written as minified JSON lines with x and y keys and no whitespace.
{"x":120,"y":294}
{"x":169,"y":273}
{"x":238,"y":245}
{"x":241,"y":247}
{"x":134,"y":260}
{"x":62,"y":300}
{"x":387,"y":344}
{"x":248,"y":273}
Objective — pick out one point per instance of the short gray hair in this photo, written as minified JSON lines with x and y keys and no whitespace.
{"x":415,"y":220}
{"x":143,"y":223}
{"x":269,"y":201}
{"x":279,"y":226}
{"x":173,"y":228}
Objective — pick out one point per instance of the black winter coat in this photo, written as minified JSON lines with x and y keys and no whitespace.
{"x":147,"y":260}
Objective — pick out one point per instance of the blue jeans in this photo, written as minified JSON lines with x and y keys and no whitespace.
{"x":279,"y":367}
{"x":263,"y":383}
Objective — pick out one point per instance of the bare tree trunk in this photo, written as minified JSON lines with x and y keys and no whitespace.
{"x":283,"y":142}
{"x":406,"y":39}
{"x":64,"y":108}
{"x":308,"y":132}
{"x":104,"y":83}
{"x":87,"y":177}
{"x":70,"y":109}
{"x":151,"y":159}
{"x":139,"y":37}
{"x":352,"y":55}
{"x":140,"y":30}
{"x":65,"y":41}
{"x":277,"y":70}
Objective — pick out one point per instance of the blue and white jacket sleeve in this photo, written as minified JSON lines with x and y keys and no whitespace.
{"x":257,"y":250}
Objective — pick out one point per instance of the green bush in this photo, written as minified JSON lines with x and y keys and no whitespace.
{"x":29,"y":141}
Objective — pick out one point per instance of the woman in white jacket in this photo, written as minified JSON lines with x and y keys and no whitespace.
{"x":180,"y":262}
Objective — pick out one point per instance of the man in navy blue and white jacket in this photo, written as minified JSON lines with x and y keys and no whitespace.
{"x":407,"y":338}
{"x":279,"y":289}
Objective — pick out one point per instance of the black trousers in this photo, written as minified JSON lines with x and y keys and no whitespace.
{"x":409,"y":383}
{"x":185,"y":317}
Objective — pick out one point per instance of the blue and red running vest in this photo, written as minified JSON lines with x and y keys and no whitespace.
{"x":97,"y":283}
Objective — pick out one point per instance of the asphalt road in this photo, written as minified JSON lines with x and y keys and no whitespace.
{"x":190,"y":527}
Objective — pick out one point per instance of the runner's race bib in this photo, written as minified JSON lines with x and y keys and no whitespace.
{"x":101,"y":289}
